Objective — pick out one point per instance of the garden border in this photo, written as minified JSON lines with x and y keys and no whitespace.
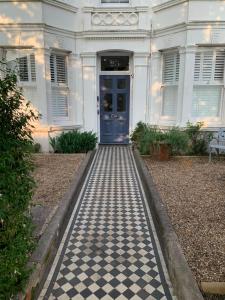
{"x":184,"y":284}
{"x":44,"y":254}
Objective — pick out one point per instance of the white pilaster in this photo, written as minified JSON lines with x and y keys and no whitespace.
{"x":140,"y":89}
{"x":185,"y":91}
{"x":155,"y":106}
{"x":43,"y":77}
{"x":89,"y":91}
{"x":75,"y":88}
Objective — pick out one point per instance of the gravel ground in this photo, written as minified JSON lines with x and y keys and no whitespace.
{"x":193,"y":191}
{"x":53,"y":175}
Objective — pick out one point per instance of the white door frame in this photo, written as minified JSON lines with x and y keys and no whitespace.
{"x":130,"y":73}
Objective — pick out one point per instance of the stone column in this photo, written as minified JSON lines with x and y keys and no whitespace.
{"x":43,"y":79}
{"x":155,"y":105}
{"x":139,"y":103}
{"x":89,"y":91}
{"x":186,"y":81}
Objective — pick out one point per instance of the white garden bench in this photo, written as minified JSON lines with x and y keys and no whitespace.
{"x":217,"y":143}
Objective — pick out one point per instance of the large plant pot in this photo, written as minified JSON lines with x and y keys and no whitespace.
{"x":164,"y":151}
{"x":154,"y":150}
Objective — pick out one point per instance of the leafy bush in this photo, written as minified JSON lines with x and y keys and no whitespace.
{"x":147,"y":139}
{"x":199,"y":140}
{"x":74,"y":142}
{"x":190,"y":141}
{"x":16,"y":186}
{"x":138,"y":132}
{"x":36,"y":148}
{"x":178,"y":140}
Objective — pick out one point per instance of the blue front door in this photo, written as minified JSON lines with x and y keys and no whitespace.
{"x":114,"y":109}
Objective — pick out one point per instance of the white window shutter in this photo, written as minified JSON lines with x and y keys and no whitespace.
{"x":209,"y":66}
{"x":177,"y":66}
{"x":197,"y":73}
{"x":23,"y":68}
{"x":32,"y":67}
{"x":61,"y":69}
{"x":171,"y":70}
{"x":59,"y":103}
{"x":170,"y":94}
{"x":58,"y":68}
{"x":219,"y":65}
{"x":60,"y":92}
{"x":171,"y":66}
{"x":52,"y":67}
{"x":206,"y":100}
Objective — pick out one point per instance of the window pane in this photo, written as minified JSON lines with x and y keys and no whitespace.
{"x":121,"y":84}
{"x":107,"y":84}
{"x":107,"y":103}
{"x":115,"y":63}
{"x":206,"y":101}
{"x":121,"y":102}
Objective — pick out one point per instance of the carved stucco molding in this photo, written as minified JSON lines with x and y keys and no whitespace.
{"x":115,"y":19}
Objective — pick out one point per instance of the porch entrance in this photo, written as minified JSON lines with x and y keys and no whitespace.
{"x":114,"y":109}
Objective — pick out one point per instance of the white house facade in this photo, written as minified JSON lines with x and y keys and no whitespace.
{"x":104,"y":65}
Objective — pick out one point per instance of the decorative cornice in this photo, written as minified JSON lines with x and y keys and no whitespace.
{"x":56,"y":3}
{"x":188,"y":26}
{"x":115,"y":9}
{"x":40,"y":27}
{"x":167,"y":5}
{"x":115,"y":35}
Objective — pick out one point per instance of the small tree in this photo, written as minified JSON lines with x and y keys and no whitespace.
{"x":16,"y":186}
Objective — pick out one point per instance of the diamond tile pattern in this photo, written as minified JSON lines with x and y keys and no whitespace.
{"x":110,"y":250}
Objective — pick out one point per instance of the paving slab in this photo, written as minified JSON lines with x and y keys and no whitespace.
{"x":110,"y":248}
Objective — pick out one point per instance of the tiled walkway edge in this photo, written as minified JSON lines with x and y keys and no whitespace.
{"x":46,"y":249}
{"x":184,"y":284}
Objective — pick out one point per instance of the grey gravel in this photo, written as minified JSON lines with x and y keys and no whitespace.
{"x":194,"y":193}
{"x":53,"y":174}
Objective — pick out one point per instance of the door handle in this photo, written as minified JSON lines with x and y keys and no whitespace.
{"x":114,"y":116}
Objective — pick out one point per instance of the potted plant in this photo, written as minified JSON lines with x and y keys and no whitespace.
{"x":164,"y":152}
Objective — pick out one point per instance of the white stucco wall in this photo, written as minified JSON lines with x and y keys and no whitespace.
{"x":83,"y":29}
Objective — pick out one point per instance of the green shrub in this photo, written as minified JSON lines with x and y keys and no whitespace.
{"x":74,"y":142}
{"x":138,"y":132}
{"x":36,"y":148}
{"x":199,"y":140}
{"x":178,"y":140}
{"x":16,"y":186}
{"x":190,"y":141}
{"x":149,"y":139}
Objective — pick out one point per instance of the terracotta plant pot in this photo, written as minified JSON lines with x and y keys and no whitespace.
{"x":164,"y":151}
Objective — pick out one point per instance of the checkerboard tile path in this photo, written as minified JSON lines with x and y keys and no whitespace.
{"x":110,"y":249}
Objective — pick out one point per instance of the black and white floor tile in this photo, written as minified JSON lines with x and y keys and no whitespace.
{"x":110,"y":249}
